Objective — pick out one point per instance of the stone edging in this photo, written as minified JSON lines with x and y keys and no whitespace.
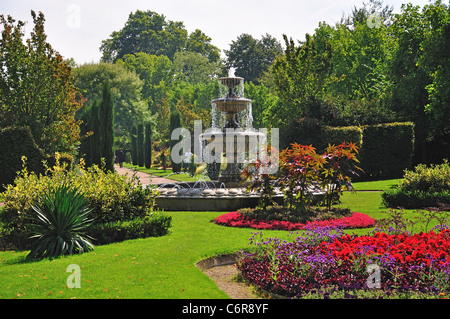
{"x":224,"y":260}
{"x":220,"y":260}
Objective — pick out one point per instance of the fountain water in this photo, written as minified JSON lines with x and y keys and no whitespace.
{"x":237,"y":138}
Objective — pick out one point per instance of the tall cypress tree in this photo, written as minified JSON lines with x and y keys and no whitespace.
{"x":107,"y":127}
{"x":175,"y":122}
{"x":96,"y":139}
{"x":140,"y":144}
{"x":134,"y":148}
{"x":148,"y":145}
{"x":85,"y":127}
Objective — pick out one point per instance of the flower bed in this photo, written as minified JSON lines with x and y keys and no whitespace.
{"x":322,"y":259}
{"x":235,"y":219}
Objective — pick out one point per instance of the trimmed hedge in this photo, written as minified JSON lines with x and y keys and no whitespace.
{"x":155,"y":225}
{"x":387,"y":150}
{"x":17,"y":142}
{"x":338,"y":135}
{"x":413,"y":199}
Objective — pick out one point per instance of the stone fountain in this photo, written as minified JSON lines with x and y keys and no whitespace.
{"x":231,"y":139}
{"x":236,"y":140}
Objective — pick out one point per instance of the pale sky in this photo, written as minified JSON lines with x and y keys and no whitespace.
{"x":76,"y":28}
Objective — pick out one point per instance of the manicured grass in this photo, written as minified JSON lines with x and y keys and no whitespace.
{"x":180,"y":177}
{"x":376,"y":185}
{"x":155,"y":268}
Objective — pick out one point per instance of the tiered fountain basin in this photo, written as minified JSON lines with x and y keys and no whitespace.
{"x":214,"y":196}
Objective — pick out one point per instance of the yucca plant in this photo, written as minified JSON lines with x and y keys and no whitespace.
{"x":59,"y":223}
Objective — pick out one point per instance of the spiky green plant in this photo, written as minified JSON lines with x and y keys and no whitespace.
{"x":59,"y":223}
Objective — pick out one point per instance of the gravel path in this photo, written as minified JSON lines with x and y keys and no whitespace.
{"x":143,"y":177}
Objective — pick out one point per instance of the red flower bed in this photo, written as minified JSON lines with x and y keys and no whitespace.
{"x":234,"y":219}
{"x":418,"y":263}
{"x":406,"y":250}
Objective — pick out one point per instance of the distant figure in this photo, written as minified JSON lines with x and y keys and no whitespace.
{"x":120,"y":157}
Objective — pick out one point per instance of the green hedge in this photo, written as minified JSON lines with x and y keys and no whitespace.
{"x":338,"y":135}
{"x":387,"y":150}
{"x":414,"y":199}
{"x":17,"y":142}
{"x":155,"y":225}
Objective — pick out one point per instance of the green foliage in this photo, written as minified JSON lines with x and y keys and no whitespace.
{"x":134,"y":145}
{"x":130,"y":105}
{"x":36,"y":88}
{"x":148,"y":145}
{"x":111,"y":196}
{"x":154,"y":225}
{"x":17,"y":142}
{"x":140,"y":145}
{"x":252,"y":57}
{"x":340,"y":165}
{"x":282,"y":214}
{"x":425,"y":186}
{"x":192,"y":67}
{"x":107,"y":127}
{"x":387,"y":150}
{"x":175,"y":122}
{"x":338,"y":135}
{"x":59,"y":224}
{"x":151,"y":33}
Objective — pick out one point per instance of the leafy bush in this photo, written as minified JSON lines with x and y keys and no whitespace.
{"x":155,"y":225}
{"x":17,"y":142}
{"x":111,"y":196}
{"x":422,"y":187}
{"x":59,"y":224}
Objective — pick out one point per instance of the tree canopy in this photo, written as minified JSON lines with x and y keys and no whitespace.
{"x":36,"y":88}
{"x":152,"y":33}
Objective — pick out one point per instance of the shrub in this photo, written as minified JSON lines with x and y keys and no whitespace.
{"x":17,"y":142}
{"x":340,"y":163}
{"x":59,"y":224}
{"x":112,"y":197}
{"x":422,"y":187}
{"x":155,"y":225}
{"x":299,"y":169}
{"x":387,"y":150}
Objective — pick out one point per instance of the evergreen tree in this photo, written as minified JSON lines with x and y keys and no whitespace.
{"x":148,"y":145}
{"x":107,"y":127}
{"x":134,"y":148}
{"x":175,"y":122}
{"x":96,"y":139}
{"x":85,"y":127}
{"x":140,"y":144}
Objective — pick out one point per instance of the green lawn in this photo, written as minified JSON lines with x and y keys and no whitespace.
{"x":376,"y":185}
{"x":162,"y":267}
{"x":180,"y":177}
